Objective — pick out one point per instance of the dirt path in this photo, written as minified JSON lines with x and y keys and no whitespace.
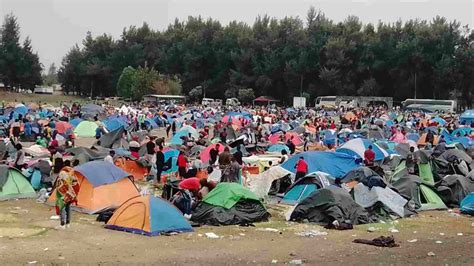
{"x":28,"y":235}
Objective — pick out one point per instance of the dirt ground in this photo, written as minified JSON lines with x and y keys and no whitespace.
{"x":27,"y":235}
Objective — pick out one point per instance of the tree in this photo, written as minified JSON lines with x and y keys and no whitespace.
{"x":145,"y":78}
{"x":195,"y":94}
{"x":126,"y":82}
{"x":246,"y":95}
{"x":10,"y":52}
{"x":51,"y":77}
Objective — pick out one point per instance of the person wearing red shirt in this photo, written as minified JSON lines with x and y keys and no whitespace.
{"x":182,"y":164}
{"x":369,"y":156}
{"x":301,"y":168}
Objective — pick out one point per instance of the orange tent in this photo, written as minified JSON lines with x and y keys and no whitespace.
{"x":132,"y":167}
{"x":99,"y":192}
{"x":422,"y":140}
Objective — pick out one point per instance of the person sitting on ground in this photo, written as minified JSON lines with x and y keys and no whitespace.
{"x":369,"y":157}
{"x":284,"y":156}
{"x":20,"y":157}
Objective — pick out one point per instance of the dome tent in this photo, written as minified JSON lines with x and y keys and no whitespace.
{"x":14,"y":185}
{"x":148,"y":215}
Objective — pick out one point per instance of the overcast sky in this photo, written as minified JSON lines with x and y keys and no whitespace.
{"x":56,"y":25}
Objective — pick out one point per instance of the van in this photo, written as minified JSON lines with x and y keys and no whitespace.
{"x":207,"y":101}
{"x":232,"y":102}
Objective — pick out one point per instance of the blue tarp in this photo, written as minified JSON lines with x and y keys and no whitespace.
{"x":279,"y":148}
{"x":467,"y":117}
{"x":100,"y":173}
{"x":335,"y":164}
{"x":113,"y":124}
{"x":171,"y":154}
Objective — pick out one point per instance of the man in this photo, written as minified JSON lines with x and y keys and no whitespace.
{"x":110,"y":157}
{"x":223,"y":135}
{"x":182,"y":165}
{"x":411,"y":161}
{"x":369,"y":157}
{"x":301,"y":169}
{"x":160,"y":163}
{"x":291,"y":145}
{"x":430,"y":137}
{"x":213,"y":153}
{"x":284,"y":156}
{"x":238,"y":156}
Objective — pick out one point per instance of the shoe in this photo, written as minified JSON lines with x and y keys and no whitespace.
{"x":60,"y":227}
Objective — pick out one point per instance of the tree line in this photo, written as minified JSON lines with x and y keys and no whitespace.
{"x":20,"y":67}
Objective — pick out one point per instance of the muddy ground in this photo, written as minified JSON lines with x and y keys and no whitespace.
{"x":27,"y":235}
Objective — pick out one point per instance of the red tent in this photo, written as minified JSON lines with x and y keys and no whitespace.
{"x":265,"y":99}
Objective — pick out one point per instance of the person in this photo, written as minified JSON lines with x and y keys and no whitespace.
{"x":160,"y":163}
{"x":430,"y":137}
{"x":411,"y":161}
{"x":284,"y":156}
{"x":66,"y":194}
{"x":20,"y":157}
{"x":110,"y":157}
{"x":213,"y":153}
{"x":206,"y":187}
{"x":369,"y":157}
{"x":301,"y":168}
{"x":291,"y":145}
{"x":98,"y":132}
{"x":182,"y":165}
{"x":28,"y":128}
{"x":238,"y":156}
{"x":54,"y":142}
{"x":231,"y":171}
{"x":223,"y":135}
{"x":150,"y":151}
{"x":16,"y":129}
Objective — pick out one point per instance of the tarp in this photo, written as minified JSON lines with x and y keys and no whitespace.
{"x":467,"y":204}
{"x":366,"y":198}
{"x":467,"y":117}
{"x":148,"y":215}
{"x":334,"y":163}
{"x":100,"y":173}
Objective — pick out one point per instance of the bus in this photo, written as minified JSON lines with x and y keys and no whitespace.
{"x":349,"y":102}
{"x":164,"y":99}
{"x":430,"y":105}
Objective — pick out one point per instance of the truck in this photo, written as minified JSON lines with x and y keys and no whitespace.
{"x":44,"y":90}
{"x":299,"y":102}
{"x":208,"y":102}
{"x":348,"y":102}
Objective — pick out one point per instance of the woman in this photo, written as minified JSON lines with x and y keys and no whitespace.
{"x":66,"y":194}
{"x":20,"y":157}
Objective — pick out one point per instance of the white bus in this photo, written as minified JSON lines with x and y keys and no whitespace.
{"x":164,"y":99}
{"x":326,"y":102}
{"x":430,"y":105}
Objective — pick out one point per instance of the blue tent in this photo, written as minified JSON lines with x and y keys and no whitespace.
{"x":413,"y":136}
{"x":148,"y":215}
{"x":467,"y":117}
{"x":439,"y":120}
{"x":278,"y":148}
{"x":298,"y":193}
{"x":463,"y":131}
{"x":467,"y":204}
{"x":174,"y":155}
{"x":100,"y":173}
{"x":334,"y":163}
{"x":176,"y":140}
{"x":35,"y":178}
{"x":357,"y":147}
{"x":150,"y":123}
{"x":21,"y":109}
{"x":74,"y":122}
{"x":113,"y":124}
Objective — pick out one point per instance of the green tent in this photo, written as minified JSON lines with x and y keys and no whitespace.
{"x":226,"y":195}
{"x":430,"y":200}
{"x":85,"y":129}
{"x":426,"y":173}
{"x":14,"y":185}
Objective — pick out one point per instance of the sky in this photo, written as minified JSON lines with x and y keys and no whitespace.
{"x":54,"y":26}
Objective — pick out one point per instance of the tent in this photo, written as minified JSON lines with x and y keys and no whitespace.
{"x":359,"y":146}
{"x":228,"y":204}
{"x":14,"y":185}
{"x":132,"y":167}
{"x":467,"y":204}
{"x":74,"y":122}
{"x":335,"y":164}
{"x":102,"y":186}
{"x":113,"y":124}
{"x":148,"y":215}
{"x":265,"y":100}
{"x":326,"y":205}
{"x":85,"y":129}
{"x":467,"y":117}
{"x":278,"y":148}
{"x":205,"y":154}
{"x":305,"y":186}
{"x":422,"y":140}
{"x":62,"y":127}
